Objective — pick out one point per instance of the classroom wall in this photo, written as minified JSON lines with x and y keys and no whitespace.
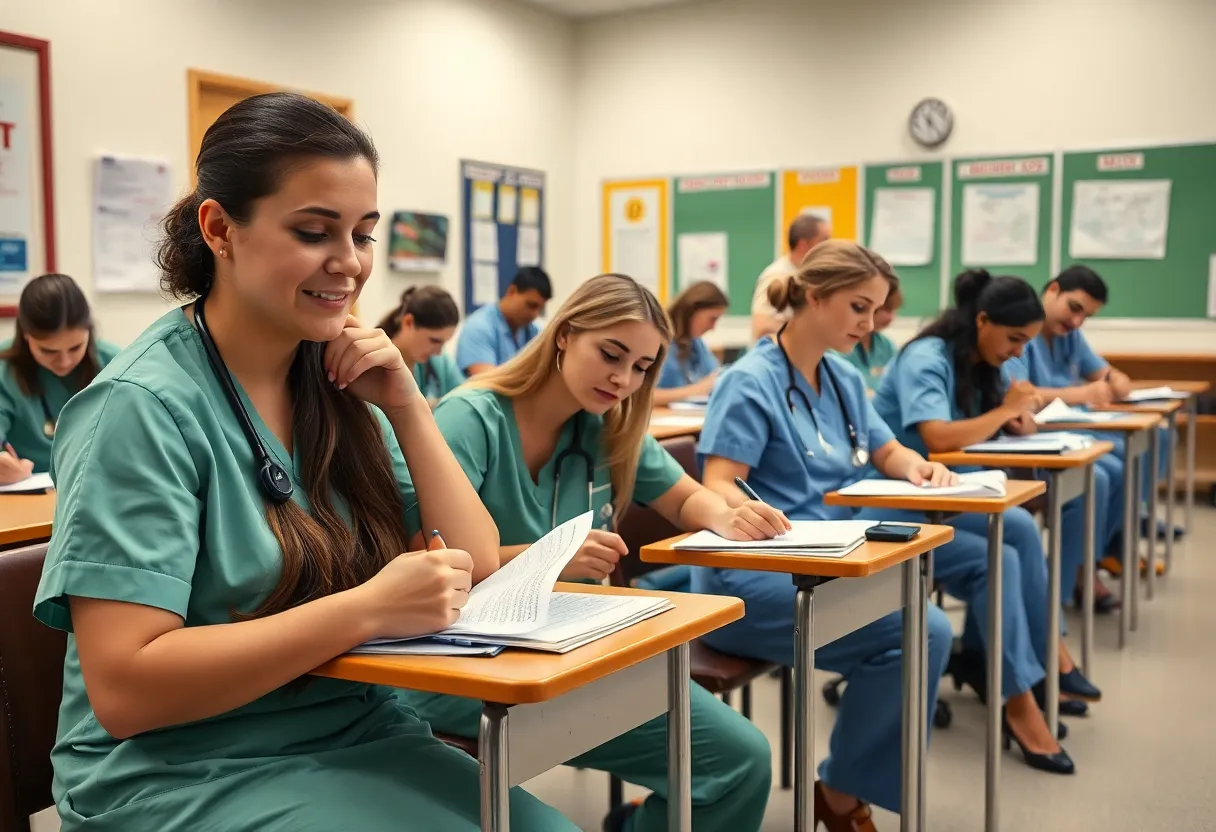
{"x":743,"y":84}
{"x":433,"y":80}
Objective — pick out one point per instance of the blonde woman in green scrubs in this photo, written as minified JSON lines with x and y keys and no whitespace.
{"x":53,"y":355}
{"x":205,"y":555}
{"x":560,"y":430}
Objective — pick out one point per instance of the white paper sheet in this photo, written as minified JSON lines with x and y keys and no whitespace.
{"x":903,"y":225}
{"x":483,"y":200}
{"x":30,"y":485}
{"x":485,"y":283}
{"x":1038,"y":443}
{"x":507,"y":204}
{"x":676,"y":421}
{"x":527,"y":246}
{"x":130,"y":197}
{"x":975,"y":484}
{"x":1155,"y":394}
{"x":804,"y":534}
{"x":702,"y":257}
{"x":484,"y":241}
{"x":634,"y":235}
{"x":1001,"y":224}
{"x":1058,"y":411}
{"x":529,"y":206}
{"x":1120,"y":220}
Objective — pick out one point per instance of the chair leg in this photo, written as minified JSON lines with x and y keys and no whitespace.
{"x":746,"y":707}
{"x":941,"y":597}
{"x":728,"y":696}
{"x":616,"y":792}
{"x":787,"y":728}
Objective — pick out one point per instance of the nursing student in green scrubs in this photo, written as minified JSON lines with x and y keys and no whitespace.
{"x":203,"y":571}
{"x":562,"y":429}
{"x":875,"y":351}
{"x":423,"y":322}
{"x":53,"y":355}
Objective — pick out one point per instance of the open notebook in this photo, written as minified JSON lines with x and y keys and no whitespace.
{"x":1040,"y":443}
{"x":517,"y":607}
{"x":812,"y":538}
{"x":976,"y":484}
{"x":1155,"y":394}
{"x":34,"y":484}
{"x":1057,"y":411}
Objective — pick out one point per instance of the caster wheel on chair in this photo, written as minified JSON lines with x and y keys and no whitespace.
{"x":942,"y":715}
{"x":831,"y":692}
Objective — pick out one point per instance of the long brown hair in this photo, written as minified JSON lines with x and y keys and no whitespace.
{"x":599,"y":303}
{"x":431,"y":306}
{"x":829,"y":267}
{"x":698,"y":296}
{"x":49,"y":304}
{"x":244,"y":157}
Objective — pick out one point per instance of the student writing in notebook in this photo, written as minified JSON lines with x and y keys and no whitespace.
{"x":205,"y":559}
{"x":950,"y":388}
{"x":794,"y":422}
{"x":690,"y":369}
{"x":424,"y":320}
{"x":562,"y":429}
{"x":53,"y":355}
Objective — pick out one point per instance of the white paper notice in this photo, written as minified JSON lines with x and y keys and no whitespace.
{"x":702,"y":257}
{"x":483,"y":200}
{"x":1001,"y":224}
{"x":130,"y":197}
{"x":507,"y":204}
{"x":529,"y":206}
{"x":527,"y":248}
{"x":823,"y":212}
{"x":1212,"y":286}
{"x":634,"y":226}
{"x":485,"y":283}
{"x":485,"y":241}
{"x":903,"y":225}
{"x":1120,"y":220}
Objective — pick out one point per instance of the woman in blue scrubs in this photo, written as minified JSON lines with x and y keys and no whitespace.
{"x":948,"y":388}
{"x":781,"y":419}
{"x":690,"y":368}
{"x":562,"y":429}
{"x":53,"y":355}
{"x":205,"y":560}
{"x":423,"y":322}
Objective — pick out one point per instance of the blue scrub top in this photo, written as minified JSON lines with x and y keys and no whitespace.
{"x":1066,"y":362}
{"x":749,"y":422}
{"x":919,"y":387}
{"x":680,"y":372}
{"x":486,"y":338}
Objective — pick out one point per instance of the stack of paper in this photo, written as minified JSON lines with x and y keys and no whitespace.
{"x":34,"y":484}
{"x":1040,"y":443}
{"x":517,"y":607}
{"x":698,"y":403}
{"x":976,"y":484}
{"x":677,"y":421}
{"x":811,"y":538}
{"x":1155,"y":394}
{"x":1057,"y":411}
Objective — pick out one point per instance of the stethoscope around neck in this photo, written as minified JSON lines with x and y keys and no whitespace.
{"x":576,"y":449}
{"x":858,"y":456}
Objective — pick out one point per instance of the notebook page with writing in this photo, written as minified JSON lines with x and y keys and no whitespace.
{"x":975,"y":484}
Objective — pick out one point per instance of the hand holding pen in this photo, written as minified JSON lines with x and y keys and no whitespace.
{"x":754,"y":519}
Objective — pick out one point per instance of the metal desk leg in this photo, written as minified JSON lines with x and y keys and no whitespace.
{"x":913,"y":694}
{"x":1131,"y":554}
{"x":679,"y":742}
{"x":1192,"y":416}
{"x":1171,"y":488}
{"x":922,"y":689}
{"x":1052,"y":682}
{"x":992,"y":805}
{"x":492,"y":755}
{"x":804,"y":706}
{"x":1087,"y":576}
{"x":1154,"y":464}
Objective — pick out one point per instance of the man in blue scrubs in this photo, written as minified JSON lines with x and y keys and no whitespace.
{"x":496,"y":332}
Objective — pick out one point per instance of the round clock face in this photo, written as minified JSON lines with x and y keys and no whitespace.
{"x":931,"y":122}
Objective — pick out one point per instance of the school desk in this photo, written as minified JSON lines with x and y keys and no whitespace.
{"x":1194,"y":389}
{"x":25,"y":519}
{"x":679,"y":423}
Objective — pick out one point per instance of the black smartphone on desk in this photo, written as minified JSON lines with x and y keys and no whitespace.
{"x":892,"y":533}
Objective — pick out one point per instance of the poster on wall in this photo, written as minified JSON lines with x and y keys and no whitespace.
{"x":1001,"y":224}
{"x":635,"y":244}
{"x":904,"y":225}
{"x":1120,"y":220}
{"x":130,"y":197}
{"x":16,"y":188}
{"x":418,"y":242}
{"x":703,"y":257}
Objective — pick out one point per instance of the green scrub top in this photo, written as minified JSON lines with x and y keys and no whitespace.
{"x":437,"y":377}
{"x":159,"y":505}
{"x":22,"y":417}
{"x":872,"y":364}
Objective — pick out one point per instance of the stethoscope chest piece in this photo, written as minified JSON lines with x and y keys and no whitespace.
{"x":48,"y":429}
{"x":861,"y":457}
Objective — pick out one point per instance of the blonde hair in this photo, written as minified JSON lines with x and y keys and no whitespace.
{"x":601,"y":302}
{"x":827,"y":268}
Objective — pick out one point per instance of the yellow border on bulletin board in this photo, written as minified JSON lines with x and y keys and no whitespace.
{"x":663,"y":188}
{"x":835,"y":188}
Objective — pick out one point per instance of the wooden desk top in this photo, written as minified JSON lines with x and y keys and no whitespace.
{"x":672,"y":431}
{"x":1128,"y":423}
{"x":1073,"y":459}
{"x":25,"y":518}
{"x":516,"y":677}
{"x":1162,"y":408}
{"x":866,"y":560}
{"x":1017,"y":492}
{"x":1162,"y":357}
{"x":1192,"y":387}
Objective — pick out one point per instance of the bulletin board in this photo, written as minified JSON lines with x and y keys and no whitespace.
{"x":502,"y":216}
{"x":1174,"y":285}
{"x":636,"y":229}
{"x":832,"y":194}
{"x":921,"y":269}
{"x":997,"y":222}
{"x":730,"y":220}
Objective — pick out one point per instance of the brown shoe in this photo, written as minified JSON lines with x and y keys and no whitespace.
{"x":858,"y":820}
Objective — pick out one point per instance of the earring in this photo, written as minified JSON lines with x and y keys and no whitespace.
{"x":558,"y":360}
{"x":223,"y":252}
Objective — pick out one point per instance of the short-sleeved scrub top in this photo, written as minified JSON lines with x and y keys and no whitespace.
{"x":1068,"y":360}
{"x":23,"y":417}
{"x":487,"y":338}
{"x":437,"y":376}
{"x":872,"y":363}
{"x":158,"y":505}
{"x":681,"y":370}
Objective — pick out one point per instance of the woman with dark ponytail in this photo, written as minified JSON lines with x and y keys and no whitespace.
{"x":53,"y":355}
{"x":951,"y":387}
{"x":230,"y":517}
{"x":425,"y":319}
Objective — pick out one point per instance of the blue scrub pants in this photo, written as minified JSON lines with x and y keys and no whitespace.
{"x":864,"y":752}
{"x":1072,"y":528}
{"x":1112,"y":464}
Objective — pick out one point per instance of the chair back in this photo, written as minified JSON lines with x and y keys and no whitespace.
{"x":642,"y":525}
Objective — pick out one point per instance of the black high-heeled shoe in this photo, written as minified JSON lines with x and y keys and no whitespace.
{"x":1057,"y":763}
{"x":968,"y":668}
{"x":1068,"y":707}
{"x":1076,"y":685}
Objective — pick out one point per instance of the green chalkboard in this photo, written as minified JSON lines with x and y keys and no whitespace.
{"x":986,"y":176}
{"x":1172,"y":287}
{"x":921,"y":285}
{"x":742,"y":206}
